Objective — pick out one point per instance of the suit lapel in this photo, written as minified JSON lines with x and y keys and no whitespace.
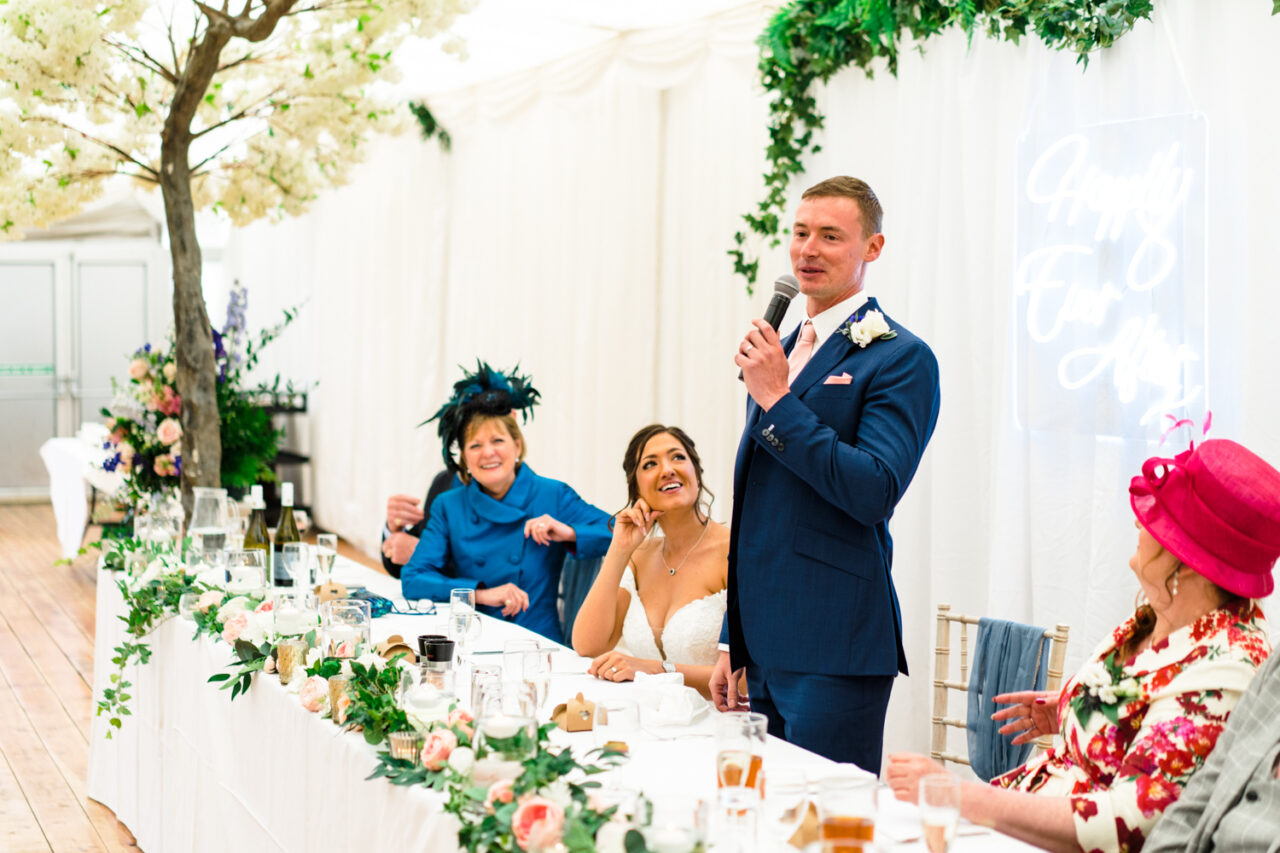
{"x":833,"y":350}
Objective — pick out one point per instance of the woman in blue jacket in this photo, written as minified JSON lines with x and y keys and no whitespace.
{"x":507,"y":529}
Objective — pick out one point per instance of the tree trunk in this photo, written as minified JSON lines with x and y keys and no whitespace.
{"x":193,"y":341}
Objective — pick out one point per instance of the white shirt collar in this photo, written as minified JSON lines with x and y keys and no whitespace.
{"x":826,"y":323}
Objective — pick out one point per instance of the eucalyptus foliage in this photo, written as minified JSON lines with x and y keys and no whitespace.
{"x":809,"y":41}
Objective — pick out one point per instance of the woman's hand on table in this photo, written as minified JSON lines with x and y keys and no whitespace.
{"x":511,"y":598}
{"x":1032,"y":713}
{"x":544,"y":530}
{"x":615,"y":666}
{"x":904,"y":772}
{"x":632,"y":525}
{"x":398,"y":547}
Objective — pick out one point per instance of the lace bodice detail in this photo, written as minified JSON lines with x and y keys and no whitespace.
{"x":691,"y":635}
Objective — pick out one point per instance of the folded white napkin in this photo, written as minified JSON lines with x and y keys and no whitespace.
{"x":667,"y":702}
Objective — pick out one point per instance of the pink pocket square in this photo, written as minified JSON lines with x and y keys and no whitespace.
{"x":841,"y":379}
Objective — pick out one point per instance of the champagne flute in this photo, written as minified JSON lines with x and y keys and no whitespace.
{"x":464,"y":623}
{"x":326,"y":554}
{"x":939,"y":811}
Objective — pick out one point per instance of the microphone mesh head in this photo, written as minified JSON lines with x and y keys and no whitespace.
{"x":787,"y":285}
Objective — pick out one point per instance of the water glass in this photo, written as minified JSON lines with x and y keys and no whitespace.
{"x":847,"y":812}
{"x":786,"y":802}
{"x":672,"y":823}
{"x":346,"y":624}
{"x":298,"y":564}
{"x":740,"y":740}
{"x":464,"y":623}
{"x":939,"y":811}
{"x":246,"y":571}
{"x":734,"y":823}
{"x":326,"y":554}
{"x":484,"y":678}
{"x":187,"y":605}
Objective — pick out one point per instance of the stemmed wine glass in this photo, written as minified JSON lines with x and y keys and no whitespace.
{"x":464,"y":622}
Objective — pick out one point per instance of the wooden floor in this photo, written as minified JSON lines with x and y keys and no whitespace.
{"x":46,"y":702}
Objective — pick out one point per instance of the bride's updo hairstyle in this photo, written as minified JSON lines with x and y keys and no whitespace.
{"x":631,"y":464}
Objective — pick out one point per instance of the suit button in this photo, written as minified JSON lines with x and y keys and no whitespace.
{"x":782,"y":445}
{"x":1251,"y":796}
{"x":479,"y":561}
{"x":514,"y":558}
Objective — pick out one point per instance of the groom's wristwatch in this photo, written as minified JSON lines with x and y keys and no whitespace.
{"x":668,"y":666}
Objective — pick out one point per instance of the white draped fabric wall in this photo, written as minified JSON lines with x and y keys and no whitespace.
{"x":579,"y":227}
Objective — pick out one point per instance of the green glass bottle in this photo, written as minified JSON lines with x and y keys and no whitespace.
{"x":256,"y":536}
{"x":286,"y":532}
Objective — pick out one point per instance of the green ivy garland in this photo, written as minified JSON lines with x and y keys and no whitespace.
{"x":808,"y":41}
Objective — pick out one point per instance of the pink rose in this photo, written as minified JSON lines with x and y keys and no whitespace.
{"x":499,"y":792}
{"x":125,"y":449}
{"x":172,"y":403}
{"x":537,"y":823}
{"x":169,"y":431}
{"x":264,"y":607}
{"x":436,"y":749}
{"x":460,"y":720}
{"x":212,"y":598}
{"x":170,"y":371}
{"x":138,"y":369}
{"x":314,"y":693}
{"x":269,"y":666}
{"x":340,"y":712}
{"x":234,"y":627}
{"x":164,"y":466}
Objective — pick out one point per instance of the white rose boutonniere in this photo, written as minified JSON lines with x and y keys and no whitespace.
{"x":872,"y":327}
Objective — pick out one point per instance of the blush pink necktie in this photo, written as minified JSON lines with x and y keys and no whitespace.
{"x":803,"y":349}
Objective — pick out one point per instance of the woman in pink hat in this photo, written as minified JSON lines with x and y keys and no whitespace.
{"x":1142,"y":715}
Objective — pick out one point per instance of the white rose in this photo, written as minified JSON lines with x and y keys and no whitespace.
{"x":558,"y":792}
{"x":153,"y":572}
{"x":170,"y":371}
{"x":233,"y":606}
{"x":462,"y":760}
{"x":260,"y":624}
{"x":1107,"y":694}
{"x":875,"y":324}
{"x":372,"y":660}
{"x":612,"y":837}
{"x":314,"y":655}
{"x":860,"y":334}
{"x":1094,"y":675}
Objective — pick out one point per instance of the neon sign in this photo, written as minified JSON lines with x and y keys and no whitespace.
{"x":1109,"y":280}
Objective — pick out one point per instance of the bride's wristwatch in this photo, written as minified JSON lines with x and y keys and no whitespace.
{"x":668,"y":666}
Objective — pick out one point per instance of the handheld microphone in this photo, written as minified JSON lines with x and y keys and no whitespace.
{"x":785,"y":287}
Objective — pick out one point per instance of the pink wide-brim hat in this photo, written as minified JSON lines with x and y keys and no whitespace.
{"x":1217,"y":509}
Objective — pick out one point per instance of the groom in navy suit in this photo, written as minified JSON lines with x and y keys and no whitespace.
{"x":839,"y":415}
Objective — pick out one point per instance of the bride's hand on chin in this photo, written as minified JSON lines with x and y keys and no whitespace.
{"x":632,"y":525}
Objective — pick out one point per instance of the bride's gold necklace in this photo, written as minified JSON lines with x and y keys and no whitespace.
{"x":662,"y":552}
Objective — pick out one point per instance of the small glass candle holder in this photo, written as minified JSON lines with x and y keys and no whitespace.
{"x":507,"y":723}
{"x":346,"y":625}
{"x":294,"y":612}
{"x":406,"y":746}
{"x":187,"y":605}
{"x":338,"y":700}
{"x":246,"y":571}
{"x":291,"y":653}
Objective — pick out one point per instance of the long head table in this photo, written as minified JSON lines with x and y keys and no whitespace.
{"x":192,"y":771}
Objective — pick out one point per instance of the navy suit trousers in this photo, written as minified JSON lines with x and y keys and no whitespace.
{"x":840,"y":717}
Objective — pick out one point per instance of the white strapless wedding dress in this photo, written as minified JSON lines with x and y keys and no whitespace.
{"x":691,"y":636}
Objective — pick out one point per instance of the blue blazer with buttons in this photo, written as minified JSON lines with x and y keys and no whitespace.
{"x":485,"y":538}
{"x":816,"y":480}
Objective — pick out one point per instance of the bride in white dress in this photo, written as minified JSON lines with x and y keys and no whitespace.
{"x":659,"y":601}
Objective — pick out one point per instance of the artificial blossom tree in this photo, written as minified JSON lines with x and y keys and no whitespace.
{"x":249,"y":108}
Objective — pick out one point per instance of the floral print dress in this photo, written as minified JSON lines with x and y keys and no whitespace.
{"x":1132,"y":732}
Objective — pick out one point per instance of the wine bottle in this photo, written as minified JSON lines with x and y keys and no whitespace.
{"x":256,"y":536}
{"x":286,"y":532}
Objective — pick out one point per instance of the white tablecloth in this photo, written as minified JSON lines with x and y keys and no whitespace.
{"x":71,"y":462}
{"x":192,"y":771}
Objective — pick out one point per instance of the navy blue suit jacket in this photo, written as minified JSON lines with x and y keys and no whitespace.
{"x":816,"y":480}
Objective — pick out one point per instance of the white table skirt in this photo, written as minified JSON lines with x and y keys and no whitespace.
{"x":192,"y":771}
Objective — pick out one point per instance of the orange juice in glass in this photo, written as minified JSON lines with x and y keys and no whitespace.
{"x":740,"y":739}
